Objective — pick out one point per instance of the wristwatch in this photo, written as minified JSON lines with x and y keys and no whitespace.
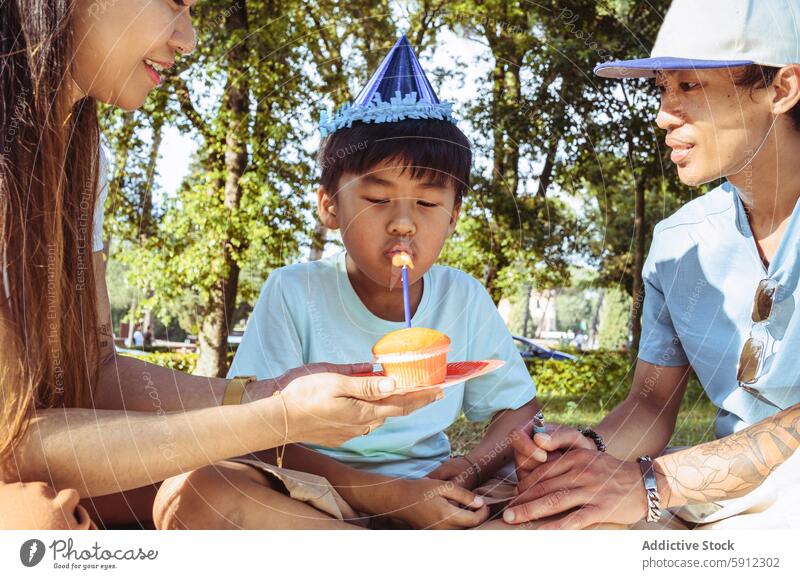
{"x":650,"y":486}
{"x":234,"y":391}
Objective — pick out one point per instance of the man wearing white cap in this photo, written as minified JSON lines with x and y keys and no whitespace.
{"x":721,"y":295}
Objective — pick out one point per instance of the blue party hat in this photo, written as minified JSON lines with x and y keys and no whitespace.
{"x":398,"y":90}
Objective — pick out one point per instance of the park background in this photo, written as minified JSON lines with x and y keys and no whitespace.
{"x":213,"y":182}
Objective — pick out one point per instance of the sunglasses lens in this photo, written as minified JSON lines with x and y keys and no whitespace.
{"x":764,"y":300}
{"x":749,"y":359}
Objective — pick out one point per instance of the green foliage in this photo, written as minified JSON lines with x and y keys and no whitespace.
{"x":583,"y":392}
{"x":175,"y":361}
{"x":613,"y":331}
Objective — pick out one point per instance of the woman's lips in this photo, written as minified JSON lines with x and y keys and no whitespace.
{"x":154,"y":76}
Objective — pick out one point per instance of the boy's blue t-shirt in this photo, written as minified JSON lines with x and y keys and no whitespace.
{"x":310,"y":313}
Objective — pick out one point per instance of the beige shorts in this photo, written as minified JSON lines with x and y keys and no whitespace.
{"x":320,"y":494}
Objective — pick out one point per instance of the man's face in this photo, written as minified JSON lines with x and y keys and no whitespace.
{"x":713,"y":126}
{"x":385,"y":212}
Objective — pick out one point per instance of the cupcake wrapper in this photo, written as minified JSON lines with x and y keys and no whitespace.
{"x":427,"y":371}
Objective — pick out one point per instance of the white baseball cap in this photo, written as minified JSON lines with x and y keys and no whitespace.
{"x":699,"y":34}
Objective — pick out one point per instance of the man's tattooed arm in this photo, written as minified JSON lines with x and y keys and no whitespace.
{"x":729,"y":467}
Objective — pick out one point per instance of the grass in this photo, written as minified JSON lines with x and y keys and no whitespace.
{"x":695,"y":422}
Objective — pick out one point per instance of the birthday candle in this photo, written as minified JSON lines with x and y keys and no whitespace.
{"x":404,"y":260}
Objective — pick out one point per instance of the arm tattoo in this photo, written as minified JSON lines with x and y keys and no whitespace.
{"x":732,"y":466}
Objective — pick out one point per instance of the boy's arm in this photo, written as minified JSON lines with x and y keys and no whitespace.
{"x":492,"y":453}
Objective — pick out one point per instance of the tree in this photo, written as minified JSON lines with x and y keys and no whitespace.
{"x":615,"y":313}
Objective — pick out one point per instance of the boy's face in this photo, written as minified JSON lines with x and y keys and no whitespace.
{"x":713,"y":126}
{"x":385,"y":212}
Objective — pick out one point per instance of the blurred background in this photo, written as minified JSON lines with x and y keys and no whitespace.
{"x":213,"y":181}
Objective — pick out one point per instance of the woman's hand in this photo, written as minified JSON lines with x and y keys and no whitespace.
{"x":330,"y":409}
{"x":265,"y":388}
{"x":529,"y":454}
{"x":603,"y":488}
{"x":37,"y":506}
{"x":431,"y":504}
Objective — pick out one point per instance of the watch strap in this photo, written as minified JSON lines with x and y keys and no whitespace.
{"x":234,"y":391}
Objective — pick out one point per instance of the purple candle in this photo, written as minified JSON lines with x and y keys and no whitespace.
{"x":404,"y":260}
{"x":406,"y":302}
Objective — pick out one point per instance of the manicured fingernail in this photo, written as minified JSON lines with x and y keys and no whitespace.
{"x":386,"y":385}
{"x":508,"y":516}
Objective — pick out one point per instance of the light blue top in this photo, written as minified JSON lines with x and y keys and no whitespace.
{"x":309,"y":313}
{"x":700,"y":280}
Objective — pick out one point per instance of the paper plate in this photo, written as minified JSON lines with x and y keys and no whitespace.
{"x":457,"y":372}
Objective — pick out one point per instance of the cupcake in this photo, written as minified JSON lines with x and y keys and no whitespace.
{"x":413,"y":356}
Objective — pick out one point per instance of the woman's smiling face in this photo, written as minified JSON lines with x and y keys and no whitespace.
{"x":121,"y":45}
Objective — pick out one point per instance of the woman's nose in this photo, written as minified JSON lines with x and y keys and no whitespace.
{"x":183,"y":38}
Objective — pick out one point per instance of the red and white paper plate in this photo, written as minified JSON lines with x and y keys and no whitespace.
{"x":457,"y":372}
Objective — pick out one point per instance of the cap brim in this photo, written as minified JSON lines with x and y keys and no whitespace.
{"x":646,"y":67}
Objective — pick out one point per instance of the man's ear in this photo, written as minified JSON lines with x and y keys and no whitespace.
{"x":454,"y":217}
{"x":786,"y":87}
{"x":326,"y":209}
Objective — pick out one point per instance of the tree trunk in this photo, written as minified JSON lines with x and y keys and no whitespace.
{"x":213,"y":338}
{"x":527,"y":318}
{"x":319,"y":238}
{"x":637,"y":287}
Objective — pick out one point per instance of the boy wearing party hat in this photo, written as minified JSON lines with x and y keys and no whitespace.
{"x":395,"y":168}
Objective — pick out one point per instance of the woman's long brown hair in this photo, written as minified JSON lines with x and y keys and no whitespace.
{"x":49,"y":157}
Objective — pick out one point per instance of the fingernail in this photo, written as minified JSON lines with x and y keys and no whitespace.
{"x":440,"y":396}
{"x":509,"y":517}
{"x":386,"y":385}
{"x":545,"y":437}
{"x":478,"y":501}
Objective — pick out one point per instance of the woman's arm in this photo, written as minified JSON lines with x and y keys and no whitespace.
{"x":126,"y":383}
{"x":102,"y":452}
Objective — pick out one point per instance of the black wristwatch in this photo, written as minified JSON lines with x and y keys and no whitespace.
{"x":598,"y":440}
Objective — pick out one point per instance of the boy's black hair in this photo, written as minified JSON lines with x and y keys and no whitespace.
{"x":428,"y":148}
{"x":755,"y":76}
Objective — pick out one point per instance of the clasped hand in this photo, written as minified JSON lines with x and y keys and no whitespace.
{"x":562,"y":473}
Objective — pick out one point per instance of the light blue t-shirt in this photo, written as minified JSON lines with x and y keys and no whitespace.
{"x":700,"y":280}
{"x":309,"y":313}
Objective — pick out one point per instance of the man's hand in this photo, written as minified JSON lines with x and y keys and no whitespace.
{"x":529,"y":454}
{"x":266,"y":388}
{"x":602,"y":488}
{"x":432,"y":504}
{"x":457,"y":470}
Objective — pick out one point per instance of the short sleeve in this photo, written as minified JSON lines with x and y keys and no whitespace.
{"x":659,"y":343}
{"x":271,"y":343}
{"x":507,"y":388}
{"x":100,"y":204}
